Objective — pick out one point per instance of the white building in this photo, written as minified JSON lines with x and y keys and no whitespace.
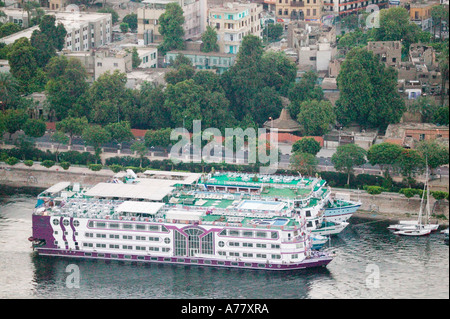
{"x":147,"y":54}
{"x":233,"y":21}
{"x":194,"y":12}
{"x":84,"y":30}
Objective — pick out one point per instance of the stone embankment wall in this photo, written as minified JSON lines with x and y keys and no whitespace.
{"x":385,"y":205}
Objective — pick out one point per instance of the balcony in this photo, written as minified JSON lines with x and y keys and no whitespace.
{"x":297,"y":4}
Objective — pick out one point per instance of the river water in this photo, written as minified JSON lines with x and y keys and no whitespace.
{"x":370,"y":263}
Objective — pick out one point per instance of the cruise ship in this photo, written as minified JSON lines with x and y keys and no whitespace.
{"x":310,"y":197}
{"x":151,"y":218}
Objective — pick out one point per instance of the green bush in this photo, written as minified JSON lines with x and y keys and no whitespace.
{"x":116,"y":168}
{"x":48,"y":163}
{"x":373,"y":190}
{"x":12,"y":160}
{"x":439,"y":195}
{"x":408,"y":192}
{"x":28,"y":163}
{"x":65,"y":165}
{"x":95,"y":167}
{"x":135,"y":169}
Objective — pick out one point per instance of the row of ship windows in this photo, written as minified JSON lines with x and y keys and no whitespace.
{"x":248,"y":255}
{"x":249,"y":245}
{"x":125,"y":226}
{"x":127,"y":247}
{"x":128,"y":226}
{"x":127,"y":237}
{"x":249,"y":233}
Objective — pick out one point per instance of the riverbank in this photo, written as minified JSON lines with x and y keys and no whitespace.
{"x":389,"y":206}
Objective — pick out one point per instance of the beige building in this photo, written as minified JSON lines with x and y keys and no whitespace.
{"x":99,"y":61}
{"x":309,"y":10}
{"x":194,"y":12}
{"x":233,"y":21}
{"x":314,"y":43}
{"x":58,"y":4}
{"x":389,"y":52}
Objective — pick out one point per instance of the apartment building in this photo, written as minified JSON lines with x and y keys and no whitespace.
{"x":309,"y":10}
{"x":314,"y":43}
{"x":233,"y":21}
{"x":85,"y":30}
{"x":194,"y":12}
{"x":345,"y":7}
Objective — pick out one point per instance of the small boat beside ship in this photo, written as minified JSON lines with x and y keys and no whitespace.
{"x":419,"y":227}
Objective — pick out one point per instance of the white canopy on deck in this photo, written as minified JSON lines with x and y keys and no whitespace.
{"x":139,"y":207}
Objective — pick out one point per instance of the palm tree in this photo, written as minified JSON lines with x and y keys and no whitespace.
{"x":443,"y":66}
{"x":9,"y":90}
{"x":29,"y":6}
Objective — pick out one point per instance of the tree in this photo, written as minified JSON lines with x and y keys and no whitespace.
{"x":34,"y":128}
{"x":131,"y":19}
{"x":72,"y":126}
{"x":441,"y":116}
{"x":368,"y":91}
{"x":152,"y":113}
{"x":67,"y":82}
{"x":209,"y":39}
{"x":56,"y":34}
{"x":255,"y":73}
{"x":395,"y":25}
{"x":120,"y":132}
{"x":14,"y":120}
{"x":108,"y":99}
{"x":59,"y":138}
{"x":426,"y":107}
{"x":23,"y":64}
{"x":306,"y":145}
{"x":29,"y":6}
{"x":135,"y":59}
{"x":124,"y":27}
{"x":180,"y":74}
{"x":282,"y":72}
{"x":305,"y":163}
{"x":9,"y":91}
{"x":187,"y":101}
{"x":273,"y":32}
{"x":171,"y":28}
{"x":44,"y":47}
{"x":347,"y":157}
{"x":114,"y":14}
{"x":158,"y":137}
{"x":384,"y":154}
{"x":435,"y":153}
{"x":306,"y":89}
{"x":95,"y":136}
{"x":9,"y":28}
{"x":140,"y":149}
{"x":410,"y":162}
{"x":438,"y":14}
{"x":316,"y":117}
